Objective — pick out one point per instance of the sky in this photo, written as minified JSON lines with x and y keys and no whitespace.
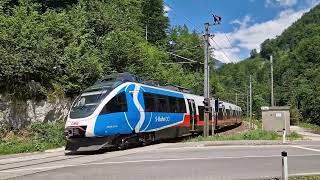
{"x":245,"y":23}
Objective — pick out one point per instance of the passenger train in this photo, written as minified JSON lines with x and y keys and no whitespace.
{"x":122,"y":109}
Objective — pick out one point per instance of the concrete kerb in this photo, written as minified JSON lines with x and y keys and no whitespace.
{"x":240,"y":142}
{"x":247,"y":142}
{"x":55,"y":150}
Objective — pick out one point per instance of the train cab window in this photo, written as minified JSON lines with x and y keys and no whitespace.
{"x":116,"y":104}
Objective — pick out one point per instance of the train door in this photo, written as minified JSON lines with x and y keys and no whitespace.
{"x":193,"y":114}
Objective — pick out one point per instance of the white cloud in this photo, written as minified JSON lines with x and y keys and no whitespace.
{"x":222,"y":49}
{"x":285,"y":3}
{"x":166,"y":10}
{"x":250,"y":37}
{"x":242,"y":23}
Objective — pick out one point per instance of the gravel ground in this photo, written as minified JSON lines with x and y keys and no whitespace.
{"x":245,"y":126}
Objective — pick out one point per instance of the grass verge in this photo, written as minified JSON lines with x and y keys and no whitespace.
{"x":257,"y":134}
{"x":314,"y":128}
{"x":36,"y":137}
{"x":305,"y":178}
{"x":257,"y":122}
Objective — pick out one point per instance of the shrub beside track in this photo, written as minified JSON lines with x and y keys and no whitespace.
{"x":36,"y":137}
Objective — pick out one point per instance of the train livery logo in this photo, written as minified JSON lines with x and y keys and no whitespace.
{"x":162,"y":118}
{"x":74,"y":123}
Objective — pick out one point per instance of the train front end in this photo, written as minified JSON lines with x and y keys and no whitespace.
{"x":80,"y":125}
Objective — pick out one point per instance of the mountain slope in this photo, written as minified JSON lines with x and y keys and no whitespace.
{"x":296,"y":70}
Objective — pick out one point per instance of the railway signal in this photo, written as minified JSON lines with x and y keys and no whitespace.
{"x":206,"y":105}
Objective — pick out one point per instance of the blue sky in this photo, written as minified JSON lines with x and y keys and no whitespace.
{"x":245,"y":24}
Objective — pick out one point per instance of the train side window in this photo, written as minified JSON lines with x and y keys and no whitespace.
{"x":162,"y":103}
{"x":149,"y":102}
{"x":201,"y":111}
{"x":220,"y":113}
{"x":228,"y":113}
{"x":182,"y":106}
{"x":173,"y":104}
{"x":116,"y":104}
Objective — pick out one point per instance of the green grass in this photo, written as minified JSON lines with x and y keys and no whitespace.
{"x":305,"y":178}
{"x":257,"y":122}
{"x":36,"y":137}
{"x":314,"y":128}
{"x":296,"y":178}
{"x":294,"y":136}
{"x":256,"y":134}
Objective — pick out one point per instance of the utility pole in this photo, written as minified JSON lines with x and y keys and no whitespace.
{"x":247,"y":104}
{"x":251,"y":125}
{"x":236,"y":99}
{"x":206,"y":90}
{"x":271,"y":63}
{"x":146,"y":32}
{"x":206,"y":81}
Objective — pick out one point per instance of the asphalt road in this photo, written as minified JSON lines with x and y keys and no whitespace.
{"x":168,"y":161}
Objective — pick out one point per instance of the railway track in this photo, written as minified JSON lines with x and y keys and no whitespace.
{"x":33,"y":161}
{"x":33,"y":164}
{"x":41,"y":162}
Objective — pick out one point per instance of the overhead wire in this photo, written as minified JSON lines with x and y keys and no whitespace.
{"x":197,"y":27}
{"x":176,"y":55}
{"x":229,"y":59}
{"x":230,"y":44}
{"x":238,"y":58}
{"x":194,"y":47}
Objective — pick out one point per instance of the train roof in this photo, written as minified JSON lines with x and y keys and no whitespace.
{"x":114,"y":80}
{"x":128,"y":77}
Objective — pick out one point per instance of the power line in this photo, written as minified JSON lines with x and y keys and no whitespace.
{"x":184,"y":62}
{"x":188,"y":61}
{"x":237,"y":57}
{"x":191,"y":60}
{"x":195,"y":26}
{"x":195,"y":47}
{"x":221,"y":50}
{"x":231,"y":45}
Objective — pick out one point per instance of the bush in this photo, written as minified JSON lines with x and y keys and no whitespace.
{"x":313,"y":127}
{"x":37,"y":137}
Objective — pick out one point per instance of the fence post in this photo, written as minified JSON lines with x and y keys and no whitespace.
{"x":284,"y":165}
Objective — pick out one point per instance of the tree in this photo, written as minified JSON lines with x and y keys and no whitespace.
{"x":154,"y":20}
{"x":253,"y":53}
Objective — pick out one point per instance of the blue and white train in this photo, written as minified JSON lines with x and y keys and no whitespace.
{"x":123,"y":109}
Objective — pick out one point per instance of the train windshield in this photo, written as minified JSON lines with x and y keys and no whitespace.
{"x":86,"y":104}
